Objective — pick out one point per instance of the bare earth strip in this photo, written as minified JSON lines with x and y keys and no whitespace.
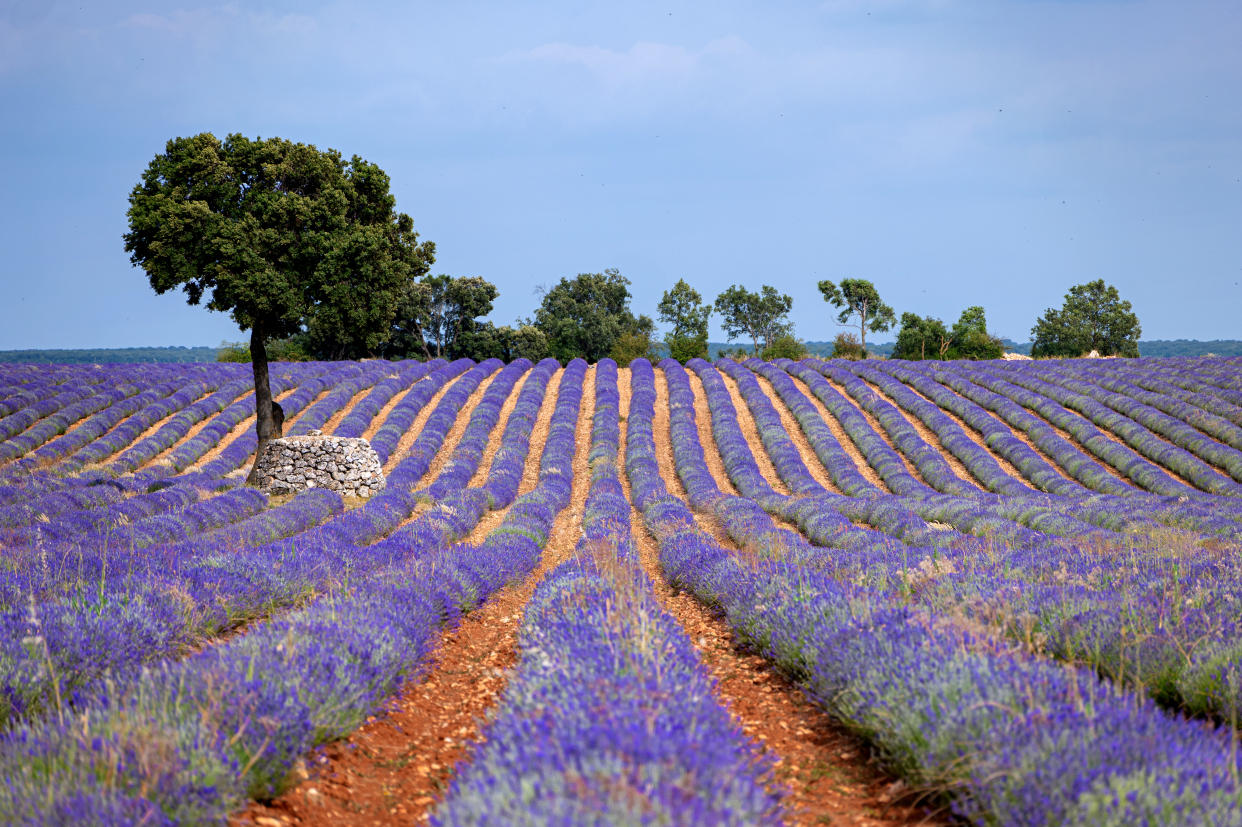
{"x":455,"y":433}
{"x":751,"y":433}
{"x":877,"y":427}
{"x":331,"y":425}
{"x":162,"y":456}
{"x":416,"y":427}
{"x":809,"y":457}
{"x":975,"y":437}
{"x":386,"y":409}
{"x":248,"y":423}
{"x":821,"y":766}
{"x":929,"y":436}
{"x":1111,"y":438}
{"x":703,"y":420}
{"x":847,"y":444}
{"x":394,"y":768}
{"x":161,"y":423}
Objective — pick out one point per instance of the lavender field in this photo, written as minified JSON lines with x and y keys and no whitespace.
{"x":1017,"y":585}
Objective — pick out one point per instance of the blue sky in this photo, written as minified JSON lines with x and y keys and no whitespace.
{"x":952,"y":152}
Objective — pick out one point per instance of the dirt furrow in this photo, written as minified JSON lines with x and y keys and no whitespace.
{"x":847,"y":444}
{"x":394,"y":768}
{"x":929,"y":436}
{"x":240,"y":428}
{"x":334,"y":421}
{"x":375,"y":424}
{"x":416,"y":427}
{"x":877,"y":427}
{"x":809,"y":458}
{"x":823,"y":768}
{"x":750,"y":432}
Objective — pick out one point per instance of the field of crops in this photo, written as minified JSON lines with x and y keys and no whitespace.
{"x":1017,"y":585}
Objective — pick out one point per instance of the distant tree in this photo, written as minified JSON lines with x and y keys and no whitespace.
{"x":455,"y":306}
{"x":405,"y":334}
{"x":586,"y":315}
{"x":762,"y":316}
{"x":682,"y":307}
{"x":971,"y":339}
{"x":847,"y":346}
{"x":785,"y":346}
{"x":1094,"y":317}
{"x":638,"y":343}
{"x":922,"y":338}
{"x":280,"y":235}
{"x":527,"y":342}
{"x":858,"y":297}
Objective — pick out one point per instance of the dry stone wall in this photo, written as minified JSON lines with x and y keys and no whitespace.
{"x":347,"y":465}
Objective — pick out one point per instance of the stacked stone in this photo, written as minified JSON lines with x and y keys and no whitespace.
{"x":295,"y":463}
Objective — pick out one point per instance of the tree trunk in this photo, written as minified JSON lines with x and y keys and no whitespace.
{"x":265,"y":423}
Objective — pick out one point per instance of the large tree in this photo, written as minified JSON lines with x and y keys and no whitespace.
{"x":682,"y":308}
{"x":922,"y":338}
{"x":587,"y":315}
{"x":928,"y":338}
{"x":971,"y":339}
{"x":1093,"y":318}
{"x":763,"y":316}
{"x":280,"y":235}
{"x":858,"y":297}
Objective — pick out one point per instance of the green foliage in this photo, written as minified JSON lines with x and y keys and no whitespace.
{"x":971,"y":339}
{"x":233,"y":352}
{"x":1093,"y":318}
{"x":784,"y":346}
{"x":587,"y":315}
{"x":763,"y":316}
{"x":682,"y":307}
{"x":858,"y":297}
{"x":922,"y":338}
{"x":278,"y":234}
{"x":487,"y":341}
{"x":847,"y":346}
{"x":928,"y":338}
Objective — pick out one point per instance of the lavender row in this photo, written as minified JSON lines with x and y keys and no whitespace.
{"x":121,"y":397}
{"x":1175,"y":666}
{"x":1215,"y":417}
{"x":417,"y":460}
{"x":1206,"y":447}
{"x":407,"y":373}
{"x":468,"y":453}
{"x":598,"y":654}
{"x":344,"y":384}
{"x":981,"y":464}
{"x":930,"y":464}
{"x":993,"y":518}
{"x":1128,"y":463}
{"x":189,"y":596}
{"x":1135,"y":435}
{"x":942,"y":704}
{"x":401,"y":417}
{"x":225,"y":735}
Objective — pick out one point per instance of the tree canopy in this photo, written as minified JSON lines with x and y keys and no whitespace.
{"x":928,"y":338}
{"x":762,"y":316}
{"x":587,"y":315}
{"x":280,"y":235}
{"x":682,"y":307}
{"x":858,"y":297}
{"x":1094,"y":317}
{"x":922,"y":338}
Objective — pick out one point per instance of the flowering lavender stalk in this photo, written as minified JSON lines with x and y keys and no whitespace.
{"x":608,"y":690}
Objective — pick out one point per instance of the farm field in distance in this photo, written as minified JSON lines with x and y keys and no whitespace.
{"x":876,"y":592}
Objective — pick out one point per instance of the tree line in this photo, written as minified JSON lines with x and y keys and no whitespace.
{"x":307,"y":251}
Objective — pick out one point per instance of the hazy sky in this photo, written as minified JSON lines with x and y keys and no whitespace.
{"x":953,"y":153}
